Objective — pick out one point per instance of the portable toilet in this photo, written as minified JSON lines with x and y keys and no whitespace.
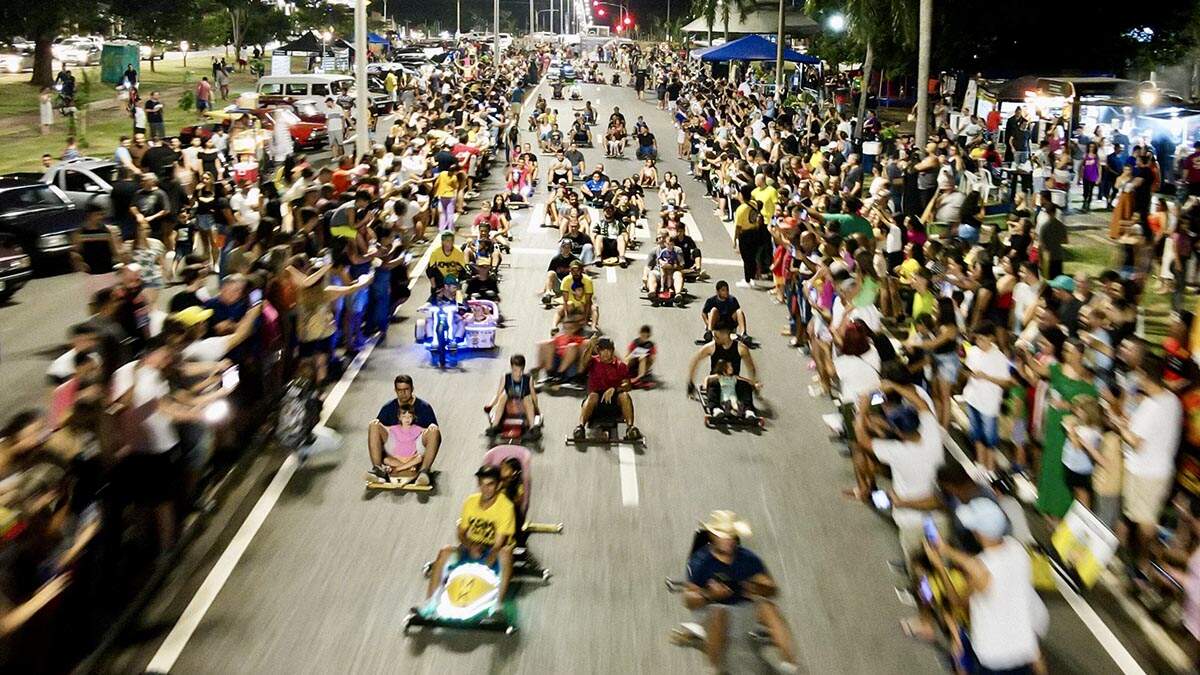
{"x":115,"y":56}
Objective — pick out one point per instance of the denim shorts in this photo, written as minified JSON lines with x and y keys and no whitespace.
{"x":947,"y":366}
{"x":984,"y":428}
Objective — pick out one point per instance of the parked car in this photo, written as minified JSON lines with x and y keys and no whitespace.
{"x":83,"y":180}
{"x":306,"y":135}
{"x":16,"y":267}
{"x":77,"y":51}
{"x":39,"y":217}
{"x":15,"y":59}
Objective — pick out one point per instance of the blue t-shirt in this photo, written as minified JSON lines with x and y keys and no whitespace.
{"x":389,"y":414}
{"x":704,"y":567}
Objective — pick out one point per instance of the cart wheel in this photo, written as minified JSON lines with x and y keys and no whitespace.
{"x":426,"y":569}
{"x":546,"y":575}
{"x":510,"y":630}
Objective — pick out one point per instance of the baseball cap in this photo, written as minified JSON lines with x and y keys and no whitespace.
{"x":983,"y":516}
{"x":1063,"y":282}
{"x":190,"y":316}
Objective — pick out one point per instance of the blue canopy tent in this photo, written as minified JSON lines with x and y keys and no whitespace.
{"x":376,"y":39}
{"x":752,"y":48}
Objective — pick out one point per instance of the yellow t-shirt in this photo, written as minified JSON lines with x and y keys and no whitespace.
{"x":922,"y":304}
{"x":768,"y":197}
{"x":454,"y":262}
{"x":569,"y":281}
{"x":484,"y":525}
{"x":741,"y":219}
{"x":445,"y":184}
{"x":908,"y":269}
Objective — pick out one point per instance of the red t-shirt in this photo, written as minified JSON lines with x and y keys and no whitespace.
{"x":341,"y":180}
{"x":1191,"y":166}
{"x":492,"y":220}
{"x":604,"y":376}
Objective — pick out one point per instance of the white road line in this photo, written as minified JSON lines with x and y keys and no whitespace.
{"x":169,"y":651}
{"x":693,"y":229}
{"x":610,"y":273}
{"x":629,"y":484}
{"x":1091,"y":620}
{"x":537,"y":216}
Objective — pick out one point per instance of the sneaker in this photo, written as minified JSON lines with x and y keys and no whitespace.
{"x":744,"y":284}
{"x":718,"y":414}
{"x":379,"y":474}
{"x":423,"y":479}
{"x":547,"y":298}
{"x":632,"y":434}
{"x":751,"y":415}
{"x":580,"y":432}
{"x":752,"y":284}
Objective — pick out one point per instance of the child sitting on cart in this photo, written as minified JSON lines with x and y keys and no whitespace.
{"x":517,"y":386}
{"x":403,"y":452}
{"x":725,"y":382}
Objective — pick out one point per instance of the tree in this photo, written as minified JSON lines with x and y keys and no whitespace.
{"x":42,"y":22}
{"x":712,"y":9}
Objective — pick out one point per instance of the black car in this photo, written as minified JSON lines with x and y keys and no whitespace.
{"x":15,"y":267}
{"x":39,"y":217}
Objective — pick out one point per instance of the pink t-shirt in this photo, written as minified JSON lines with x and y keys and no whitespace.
{"x":404,"y":440}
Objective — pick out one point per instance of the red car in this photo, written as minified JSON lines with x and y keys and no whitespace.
{"x":307,"y":135}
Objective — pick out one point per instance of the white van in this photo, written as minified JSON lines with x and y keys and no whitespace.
{"x":305,"y":87}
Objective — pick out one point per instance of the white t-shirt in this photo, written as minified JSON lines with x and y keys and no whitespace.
{"x":148,"y":387}
{"x":869,"y":315}
{"x":1008,"y":616}
{"x":979,"y":393}
{"x":207,"y":350}
{"x":895,"y":239}
{"x":1158,"y":421}
{"x":914,"y":466}
{"x":1023,"y":296}
{"x":858,"y":375}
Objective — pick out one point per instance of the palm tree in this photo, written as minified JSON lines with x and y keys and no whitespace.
{"x":712,"y":9}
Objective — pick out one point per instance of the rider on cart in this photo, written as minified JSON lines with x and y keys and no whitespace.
{"x":486,"y":528}
{"x":388,"y":439}
{"x":608,"y":391}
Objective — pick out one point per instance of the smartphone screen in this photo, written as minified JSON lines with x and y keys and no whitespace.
{"x":230,"y":378}
{"x":925,"y":590}
{"x":931,"y":531}
{"x":255,"y":296}
{"x":877,"y":398}
{"x":880,"y":499}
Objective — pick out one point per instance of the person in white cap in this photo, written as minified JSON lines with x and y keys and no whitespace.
{"x":728,"y":590}
{"x":1007,"y":616}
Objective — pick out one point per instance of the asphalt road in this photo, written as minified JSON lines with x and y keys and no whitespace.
{"x":325,"y":584}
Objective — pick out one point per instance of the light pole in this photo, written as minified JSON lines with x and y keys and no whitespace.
{"x":362,"y":121}
{"x":779,"y":55}
{"x":532,"y":19}
{"x":457,"y":18}
{"x":496,"y":33}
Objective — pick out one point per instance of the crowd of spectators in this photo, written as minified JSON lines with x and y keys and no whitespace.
{"x":933,"y":299}
{"x":222,"y":303}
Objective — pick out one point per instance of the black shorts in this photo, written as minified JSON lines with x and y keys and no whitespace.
{"x":608,"y":248}
{"x":315,"y":347}
{"x":606,"y":412}
{"x":151,"y":477}
{"x":1077,"y":481}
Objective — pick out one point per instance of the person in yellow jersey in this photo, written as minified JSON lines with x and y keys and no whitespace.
{"x":445,"y":190}
{"x":446,"y":260}
{"x":485,"y":532}
{"x":764,"y":193}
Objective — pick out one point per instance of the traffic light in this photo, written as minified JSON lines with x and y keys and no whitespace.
{"x":628,"y":20}
{"x":600,"y":12}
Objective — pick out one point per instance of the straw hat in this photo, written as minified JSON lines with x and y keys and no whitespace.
{"x":726,"y":524}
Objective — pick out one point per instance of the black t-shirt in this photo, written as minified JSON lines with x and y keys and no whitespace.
{"x":389,"y":414}
{"x":184,"y":299}
{"x":154,"y":111}
{"x":561,"y":265}
{"x":673,"y":90}
{"x":645,"y":139}
{"x":121,"y":198}
{"x":161,"y":161}
{"x":725,"y":308}
{"x":445,"y":160}
{"x":704,"y":567}
{"x":578,"y":241}
{"x":575,"y":157}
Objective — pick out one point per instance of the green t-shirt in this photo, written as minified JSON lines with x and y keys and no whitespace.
{"x":850,"y":224}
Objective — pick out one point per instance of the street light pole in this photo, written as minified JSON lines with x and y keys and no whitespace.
{"x":532,"y":22}
{"x":779,"y":55}
{"x":496,"y":33}
{"x":362,"y":121}
{"x":457,"y":18}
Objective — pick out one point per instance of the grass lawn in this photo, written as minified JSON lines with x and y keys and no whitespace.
{"x":1093,"y":257}
{"x":100,"y":129}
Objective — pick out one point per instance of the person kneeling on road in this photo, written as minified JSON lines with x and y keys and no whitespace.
{"x":608,"y":391}
{"x":389,"y":425}
{"x":729,"y":589}
{"x":486,"y":529}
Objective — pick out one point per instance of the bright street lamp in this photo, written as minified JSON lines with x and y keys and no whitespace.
{"x":836,"y":23}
